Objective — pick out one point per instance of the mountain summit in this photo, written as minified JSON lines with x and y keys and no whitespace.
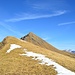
{"x":32,"y":38}
{"x":36,"y":40}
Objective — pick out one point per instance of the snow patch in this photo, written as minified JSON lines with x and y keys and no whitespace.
{"x":44,"y":60}
{"x":13,"y":46}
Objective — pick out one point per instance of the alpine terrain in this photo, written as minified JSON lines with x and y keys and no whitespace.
{"x":31,"y":55}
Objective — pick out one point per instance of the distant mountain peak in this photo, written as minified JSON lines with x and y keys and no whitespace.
{"x":31,"y":33}
{"x":36,"y":40}
{"x":33,"y":38}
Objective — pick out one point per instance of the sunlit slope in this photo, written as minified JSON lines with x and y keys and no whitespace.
{"x":14,"y":64}
{"x":32,"y":38}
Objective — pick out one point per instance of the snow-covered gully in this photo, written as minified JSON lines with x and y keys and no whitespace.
{"x":44,"y":60}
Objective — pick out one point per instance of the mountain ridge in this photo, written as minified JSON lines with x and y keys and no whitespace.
{"x":25,"y":65}
{"x":32,"y":38}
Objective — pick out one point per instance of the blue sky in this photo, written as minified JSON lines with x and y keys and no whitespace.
{"x":52,"y":20}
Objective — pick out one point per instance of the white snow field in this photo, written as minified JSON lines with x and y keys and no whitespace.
{"x":12,"y":47}
{"x":44,"y":60}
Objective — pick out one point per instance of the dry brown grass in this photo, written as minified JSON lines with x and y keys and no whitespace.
{"x":1,"y":45}
{"x":14,"y":64}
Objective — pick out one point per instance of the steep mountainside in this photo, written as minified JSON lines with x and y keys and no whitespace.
{"x":18,"y":57}
{"x":32,"y":38}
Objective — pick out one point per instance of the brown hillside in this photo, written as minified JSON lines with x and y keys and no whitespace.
{"x":14,"y":64}
{"x":32,"y":38}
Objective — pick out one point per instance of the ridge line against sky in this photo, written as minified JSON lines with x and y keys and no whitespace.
{"x":26,"y":16}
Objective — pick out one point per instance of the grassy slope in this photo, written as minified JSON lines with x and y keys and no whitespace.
{"x":1,"y":44}
{"x":13,"y":64}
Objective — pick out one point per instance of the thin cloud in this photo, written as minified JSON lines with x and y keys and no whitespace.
{"x":10,"y":29}
{"x":41,"y":6}
{"x":34,"y":16}
{"x":66,"y":23}
{"x":47,"y":4}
